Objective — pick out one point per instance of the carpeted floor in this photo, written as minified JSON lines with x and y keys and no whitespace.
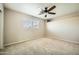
{"x":43,"y":46}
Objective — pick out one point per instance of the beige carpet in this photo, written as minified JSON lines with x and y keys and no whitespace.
{"x":42,"y":46}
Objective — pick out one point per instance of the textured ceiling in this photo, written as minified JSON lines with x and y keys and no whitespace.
{"x":35,"y":8}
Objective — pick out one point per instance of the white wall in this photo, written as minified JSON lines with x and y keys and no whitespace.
{"x":14,"y":30}
{"x":1,"y":26}
{"x":65,"y":28}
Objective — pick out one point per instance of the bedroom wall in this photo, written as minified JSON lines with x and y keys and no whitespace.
{"x":64,"y":27}
{"x":14,"y":30}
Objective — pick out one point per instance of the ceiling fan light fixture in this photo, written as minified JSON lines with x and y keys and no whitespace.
{"x":48,"y":11}
{"x":45,"y":15}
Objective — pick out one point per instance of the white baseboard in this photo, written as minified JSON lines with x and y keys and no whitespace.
{"x":15,"y":43}
{"x":45,"y":37}
{"x":74,"y":42}
{"x":18,"y":42}
{"x":70,"y":41}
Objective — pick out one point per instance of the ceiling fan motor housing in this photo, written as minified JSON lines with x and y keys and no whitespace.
{"x":46,"y":9}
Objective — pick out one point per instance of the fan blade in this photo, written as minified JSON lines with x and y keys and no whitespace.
{"x":51,"y":8}
{"x":52,"y":13}
{"x":41,"y":12}
{"x":49,"y":20}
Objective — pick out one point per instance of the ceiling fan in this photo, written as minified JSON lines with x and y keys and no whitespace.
{"x":46,"y":10}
